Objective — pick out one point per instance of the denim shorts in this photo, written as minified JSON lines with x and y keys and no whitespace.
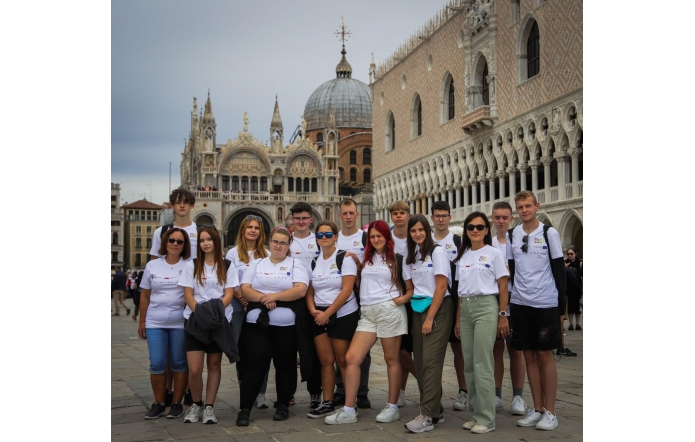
{"x":161,"y":341}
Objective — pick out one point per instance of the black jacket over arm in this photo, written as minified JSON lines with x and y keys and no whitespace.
{"x":208,"y":324}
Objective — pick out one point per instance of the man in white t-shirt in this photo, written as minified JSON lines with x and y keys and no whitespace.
{"x":441,"y":217}
{"x":352,"y":239}
{"x":400,"y":213}
{"x":305,"y":249}
{"x":182,"y":201}
{"x":537,"y":273}
{"x":501,"y":217}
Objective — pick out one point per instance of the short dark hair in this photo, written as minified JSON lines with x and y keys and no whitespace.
{"x":441,"y":205}
{"x":182,"y":194}
{"x":502,"y":205}
{"x":466,"y":241}
{"x":348,"y":202}
{"x":301,"y":207}
{"x":185,"y":253}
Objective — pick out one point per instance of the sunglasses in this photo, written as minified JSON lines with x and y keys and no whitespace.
{"x":207,"y":226}
{"x":328,"y":235}
{"x":524,"y":248}
{"x":479,"y":227}
{"x":254,"y":218}
{"x":177,"y":241}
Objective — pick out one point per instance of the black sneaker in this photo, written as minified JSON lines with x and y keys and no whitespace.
{"x":187,"y":398}
{"x":169,"y":398}
{"x":571,"y":327}
{"x":315,"y":401}
{"x":323,"y":409}
{"x":363,"y":402}
{"x":339,"y":399}
{"x":156,"y":411}
{"x":281,"y":414}
{"x":569,"y":352}
{"x":242,"y":419}
{"x":175,"y":411}
{"x":579,"y":327}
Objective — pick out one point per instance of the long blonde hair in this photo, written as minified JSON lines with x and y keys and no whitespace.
{"x":242,"y":248}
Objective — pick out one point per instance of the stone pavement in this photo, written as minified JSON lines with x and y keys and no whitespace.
{"x":131,"y":395}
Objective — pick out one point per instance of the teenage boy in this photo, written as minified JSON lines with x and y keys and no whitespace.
{"x":400,"y":213}
{"x":537,"y":272}
{"x":501,"y":217}
{"x":352,"y":239}
{"x":441,"y":217}
{"x":182,"y":201}
{"x":305,"y":249}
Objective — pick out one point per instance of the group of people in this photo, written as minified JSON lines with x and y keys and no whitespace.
{"x":328,"y":295}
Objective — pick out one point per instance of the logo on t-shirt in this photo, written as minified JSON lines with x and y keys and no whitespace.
{"x":282,"y":269}
{"x":482,"y":259}
{"x":449,"y":246}
{"x":334,"y":266}
{"x":310,"y":246}
{"x":538,"y":240}
{"x":192,"y":235}
{"x":357,"y":243}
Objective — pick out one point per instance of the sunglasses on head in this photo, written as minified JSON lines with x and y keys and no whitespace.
{"x":479,"y":227}
{"x":328,"y":235}
{"x":177,"y":241}
{"x":524,"y":248}
{"x":254,"y":218}
{"x":207,"y":226}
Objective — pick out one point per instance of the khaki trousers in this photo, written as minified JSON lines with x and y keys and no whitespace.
{"x":428,"y":355}
{"x":118,"y":300}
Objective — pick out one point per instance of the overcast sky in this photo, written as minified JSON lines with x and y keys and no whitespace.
{"x":164,"y":53}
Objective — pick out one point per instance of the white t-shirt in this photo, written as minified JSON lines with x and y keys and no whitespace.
{"x":534,"y":285}
{"x":375,"y":285}
{"x":478,"y":271}
{"x":399,"y":245}
{"x":166,"y":299}
{"x":233,"y":256}
{"x":327,"y":281}
{"x":266,"y":277}
{"x":352,"y":243}
{"x":192,"y":231}
{"x":210,"y":289}
{"x":422,"y":272}
{"x":305,"y":249}
{"x":448,"y":245}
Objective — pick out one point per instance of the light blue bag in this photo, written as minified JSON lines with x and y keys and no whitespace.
{"x":420,"y":303}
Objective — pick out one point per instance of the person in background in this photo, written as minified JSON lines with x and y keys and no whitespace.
{"x":118,"y":288}
{"x":573,"y":295}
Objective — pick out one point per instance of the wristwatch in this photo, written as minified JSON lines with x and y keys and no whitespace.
{"x":503,"y":314}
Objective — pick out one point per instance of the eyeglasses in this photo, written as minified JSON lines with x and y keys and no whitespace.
{"x":479,"y":227}
{"x":301,"y":218}
{"x":279,"y":243}
{"x":207,"y":226}
{"x":328,"y":235}
{"x":524,"y":248}
{"x":441,"y":216}
{"x":254,"y":218}
{"x":177,"y":241}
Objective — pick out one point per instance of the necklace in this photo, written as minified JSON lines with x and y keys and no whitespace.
{"x":166,"y":258}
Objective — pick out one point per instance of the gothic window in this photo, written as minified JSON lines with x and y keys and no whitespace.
{"x":290,"y":185}
{"x":367,"y":175}
{"x":353,"y":157}
{"x":353,"y":174}
{"x":314,"y":184}
{"x":264,"y":184}
{"x":481,"y":96}
{"x":245,"y":183}
{"x":306,"y":185}
{"x":367,"y":156}
{"x":533,"y":51}
{"x":390,"y":133}
{"x":452,"y":99}
{"x":486,"y":88}
{"x":448,"y":106}
{"x":298,"y":183}
{"x":235,"y":183}
{"x":528,"y":50}
{"x":225,"y":183}
{"x":417,"y":117}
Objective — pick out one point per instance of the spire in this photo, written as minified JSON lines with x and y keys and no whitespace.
{"x":277,"y":121}
{"x":372,"y":70}
{"x":343,"y":70}
{"x":207,"y":114}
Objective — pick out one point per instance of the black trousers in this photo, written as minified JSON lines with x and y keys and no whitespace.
{"x":278,"y":344}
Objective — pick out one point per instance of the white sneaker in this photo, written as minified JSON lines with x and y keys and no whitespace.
{"x":261,"y":401}
{"x":341,"y":416}
{"x":194,"y":414}
{"x":531,"y":419}
{"x":548,"y":422}
{"x":468,"y":425}
{"x":388,"y":414}
{"x":401,"y":399}
{"x":498,"y":403}
{"x":482,"y":429}
{"x":461,"y":401}
{"x":209,"y":416}
{"x":420,"y":424}
{"x":518,"y":406}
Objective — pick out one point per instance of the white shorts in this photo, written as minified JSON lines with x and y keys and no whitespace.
{"x":386,"y":319}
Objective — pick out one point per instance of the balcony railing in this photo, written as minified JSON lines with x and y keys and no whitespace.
{"x":226,"y":195}
{"x":477,"y":119}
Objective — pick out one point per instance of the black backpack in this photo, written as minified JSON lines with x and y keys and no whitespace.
{"x":339,"y":258}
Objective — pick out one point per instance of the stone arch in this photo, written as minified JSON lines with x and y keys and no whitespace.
{"x":241,"y":149}
{"x":545,"y":219}
{"x":311,"y":154}
{"x":390,"y":132}
{"x":444,"y":98}
{"x":234,"y":219}
{"x":205,"y":217}
{"x":480,"y":81}
{"x":522,"y":38}
{"x":416,"y":116}
{"x":571,"y":228}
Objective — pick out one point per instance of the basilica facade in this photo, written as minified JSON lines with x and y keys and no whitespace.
{"x":483,"y":101}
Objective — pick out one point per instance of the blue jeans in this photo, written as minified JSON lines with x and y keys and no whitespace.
{"x":161,"y":339}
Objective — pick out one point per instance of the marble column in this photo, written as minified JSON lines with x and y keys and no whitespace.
{"x":451,"y":197}
{"x":430,"y":200}
{"x":534,"y":175}
{"x":547,"y":161}
{"x":500,"y":182}
{"x":466,"y":185}
{"x":491,"y":180}
{"x":474,"y":191}
{"x":457,"y":186}
{"x":483,"y":191}
{"x":522,"y":175}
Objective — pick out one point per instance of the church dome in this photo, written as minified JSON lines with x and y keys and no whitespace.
{"x":350,"y":100}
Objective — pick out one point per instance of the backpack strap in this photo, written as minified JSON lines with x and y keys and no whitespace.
{"x":364,"y":239}
{"x":313,"y":263}
{"x":165,"y":227}
{"x":457,"y":241}
{"x":510,"y":263}
{"x":545,"y":237}
{"x":339,"y":257}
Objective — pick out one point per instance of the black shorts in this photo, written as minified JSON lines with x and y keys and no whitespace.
{"x":344,"y":327}
{"x":192,"y":344}
{"x":535,"y":328}
{"x":452,"y":335}
{"x":407,"y":339}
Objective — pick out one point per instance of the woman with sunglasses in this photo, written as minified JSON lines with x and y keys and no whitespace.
{"x":482,"y":275}
{"x":161,"y":320}
{"x":250,"y":245}
{"x":333,"y":306}
{"x":276,"y":326}
{"x":383,"y":316}
{"x":206,"y":278}
{"x":427,"y":273}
